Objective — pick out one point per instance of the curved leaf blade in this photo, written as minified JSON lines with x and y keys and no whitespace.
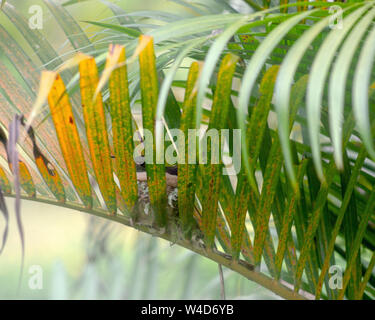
{"x":249,"y":78}
{"x":283,"y":85}
{"x":361,"y":83}
{"x":337,"y":83}
{"x":318,"y":74}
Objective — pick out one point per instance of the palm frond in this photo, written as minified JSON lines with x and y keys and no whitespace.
{"x":306,"y":180}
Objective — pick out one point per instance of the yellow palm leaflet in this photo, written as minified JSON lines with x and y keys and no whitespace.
{"x":4,"y":182}
{"x":69,"y":140}
{"x":122,"y":129}
{"x":26,"y":181}
{"x":96,"y":131}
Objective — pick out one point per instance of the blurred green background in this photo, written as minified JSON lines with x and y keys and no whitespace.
{"x":83,"y":257}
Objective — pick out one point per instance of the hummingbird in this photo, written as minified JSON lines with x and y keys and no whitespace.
{"x":170,"y":172}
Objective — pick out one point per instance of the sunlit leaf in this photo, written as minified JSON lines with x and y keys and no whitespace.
{"x":69,"y":140}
